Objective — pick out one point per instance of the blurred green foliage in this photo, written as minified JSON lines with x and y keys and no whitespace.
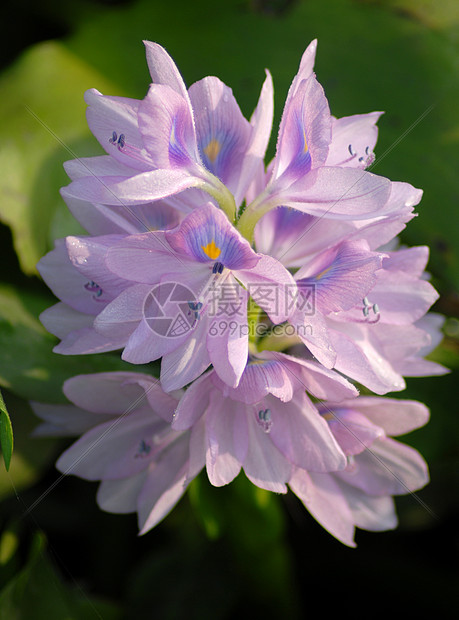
{"x":235,"y":551}
{"x":37,"y":592}
{"x":6,"y":433}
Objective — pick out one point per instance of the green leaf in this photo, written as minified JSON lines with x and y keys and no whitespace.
{"x":28,"y":366}
{"x":6,"y":433}
{"x":252,"y":521}
{"x":32,"y":456}
{"x":38,"y":592}
{"x":43,"y":124}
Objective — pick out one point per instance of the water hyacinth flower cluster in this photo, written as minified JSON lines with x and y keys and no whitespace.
{"x":270,"y":293}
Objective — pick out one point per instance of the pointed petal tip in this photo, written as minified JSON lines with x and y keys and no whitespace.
{"x":90,"y":94}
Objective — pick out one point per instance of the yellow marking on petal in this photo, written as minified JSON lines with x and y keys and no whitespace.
{"x":305,"y":150}
{"x":172,"y":138}
{"x":211,"y":250}
{"x":212,"y":150}
{"x":322,"y":273}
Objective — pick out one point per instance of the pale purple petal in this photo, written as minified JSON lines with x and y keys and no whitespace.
{"x":167,"y":129}
{"x":108,"y":392}
{"x":148,"y":257}
{"x":63,"y":420}
{"x":304,"y":70}
{"x":387,"y":468}
{"x":352,"y":430}
{"x":130,"y":191}
{"x":401,"y":298}
{"x":163,"y":69}
{"x":304,"y":133}
{"x":394,"y":415}
{"x":120,"y":496}
{"x":303,"y":436}
{"x":341,"y":277}
{"x":311,"y":328}
{"x":121,"y":317}
{"x":271,"y":287}
{"x":309,"y":375}
{"x":193,"y":403}
{"x":222,"y":132}
{"x":406,"y":345}
{"x":119,"y":393}
{"x":113,"y":121}
{"x":403,"y":195}
{"x":353,"y":140}
{"x":99,"y":166}
{"x":112,"y":450}
{"x":165,"y":485}
{"x":410,"y":260}
{"x":416,"y":367}
{"x":261,"y":122}
{"x":257,"y":183}
{"x":75,"y":289}
{"x":339,"y":193}
{"x":264,"y":464}
{"x":227,"y":339}
{"x":379,"y":231}
{"x":198,"y":447}
{"x":144,"y":345}
{"x":258,"y":380}
{"x":87,"y":255}
{"x":284,"y":233}
{"x":86,"y":341}
{"x":432,"y":324}
{"x":306,"y":64}
{"x":371,"y":513}
{"x":99,"y":219}
{"x":361,"y":357}
{"x":324,"y":499}
{"x":187,"y":362}
{"x":397,"y":342}
{"x":227,"y":439}
{"x":206,"y":235}
{"x":76,"y":331}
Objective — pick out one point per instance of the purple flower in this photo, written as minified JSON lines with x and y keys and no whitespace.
{"x":208,"y":255}
{"x":337,"y":457}
{"x":126,"y":442}
{"x":267,"y":425}
{"x":179,"y":142}
{"x":287,"y":280}
{"x":173,"y":140}
{"x":358,"y":311}
{"x":179,"y":294}
{"x":378,"y":466}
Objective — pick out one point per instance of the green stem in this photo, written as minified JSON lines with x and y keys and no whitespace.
{"x":274,"y":342}
{"x":253,"y":213}
{"x":223,"y":196}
